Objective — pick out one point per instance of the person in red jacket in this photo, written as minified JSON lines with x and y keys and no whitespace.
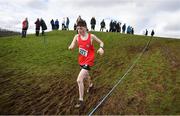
{"x":85,"y":40}
{"x":25,"y":26}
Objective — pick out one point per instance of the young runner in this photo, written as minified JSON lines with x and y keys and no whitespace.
{"x":84,"y":41}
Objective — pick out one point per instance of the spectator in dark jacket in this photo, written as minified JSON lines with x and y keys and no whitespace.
{"x":152,"y":33}
{"x":132,"y":31}
{"x":52,"y":24}
{"x":67,"y":23}
{"x":103,"y":25}
{"x":124,"y":28}
{"x":56,"y":24}
{"x":37,"y":23}
{"x":111,"y":26}
{"x":43,"y":26}
{"x":146,"y":32}
{"x":118,"y":27}
{"x":114,"y":26}
{"x":93,"y":23}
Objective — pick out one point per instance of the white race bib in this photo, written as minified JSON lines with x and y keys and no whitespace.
{"x":83,"y":52}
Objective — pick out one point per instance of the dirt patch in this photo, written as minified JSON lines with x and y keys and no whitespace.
{"x":135,"y":49}
{"x":59,"y":98}
{"x":158,"y":87}
{"x":171,"y":57}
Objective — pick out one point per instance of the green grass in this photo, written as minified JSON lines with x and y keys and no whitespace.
{"x":38,"y":75}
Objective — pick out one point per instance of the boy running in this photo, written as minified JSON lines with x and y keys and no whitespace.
{"x":84,"y":40}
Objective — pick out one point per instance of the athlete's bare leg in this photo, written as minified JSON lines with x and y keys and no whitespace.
{"x":82,"y":75}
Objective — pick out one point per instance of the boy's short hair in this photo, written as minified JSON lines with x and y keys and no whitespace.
{"x":82,"y":23}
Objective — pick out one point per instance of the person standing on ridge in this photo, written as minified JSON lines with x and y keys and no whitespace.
{"x":25,"y":25}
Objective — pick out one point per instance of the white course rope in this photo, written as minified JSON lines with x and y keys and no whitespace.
{"x":129,"y":69}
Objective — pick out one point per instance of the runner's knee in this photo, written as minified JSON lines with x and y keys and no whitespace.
{"x":83,"y":74}
{"x":80,"y":79}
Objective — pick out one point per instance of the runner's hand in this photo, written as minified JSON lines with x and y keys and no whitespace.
{"x":100,"y":51}
{"x":70,"y":47}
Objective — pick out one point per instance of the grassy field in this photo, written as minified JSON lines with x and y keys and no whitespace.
{"x":38,"y":75}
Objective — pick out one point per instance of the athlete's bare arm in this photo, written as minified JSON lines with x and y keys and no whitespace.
{"x":73,"y":43}
{"x":100,"y":50}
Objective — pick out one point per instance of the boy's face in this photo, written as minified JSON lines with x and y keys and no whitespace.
{"x":81,"y":30}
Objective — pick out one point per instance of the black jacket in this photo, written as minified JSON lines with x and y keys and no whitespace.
{"x":43,"y":24}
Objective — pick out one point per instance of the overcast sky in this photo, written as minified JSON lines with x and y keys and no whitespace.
{"x":161,"y":15}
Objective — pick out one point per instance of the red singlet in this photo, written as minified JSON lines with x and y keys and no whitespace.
{"x":86,"y":51}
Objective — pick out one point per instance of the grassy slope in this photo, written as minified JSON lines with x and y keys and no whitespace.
{"x":39,"y":77}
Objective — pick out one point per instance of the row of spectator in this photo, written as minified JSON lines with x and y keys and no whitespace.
{"x":115,"y":26}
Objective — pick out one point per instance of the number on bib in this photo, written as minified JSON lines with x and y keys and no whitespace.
{"x":83,"y":52}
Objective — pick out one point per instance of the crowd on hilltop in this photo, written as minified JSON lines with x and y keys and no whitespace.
{"x":55,"y":24}
{"x":114,"y":26}
{"x":40,"y":23}
{"x":146,"y":32}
